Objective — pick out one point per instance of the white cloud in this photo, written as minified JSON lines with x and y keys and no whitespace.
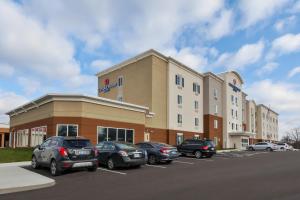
{"x":288,"y":43}
{"x":246,"y":55}
{"x":267,"y":69}
{"x":254,"y":11}
{"x":9,"y":101}
{"x":99,"y":65}
{"x":29,"y":85}
{"x":281,"y":97}
{"x":6,"y":70}
{"x":283,"y":24}
{"x":221,"y":26}
{"x":294,"y":72}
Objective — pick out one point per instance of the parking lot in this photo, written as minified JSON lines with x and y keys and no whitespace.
{"x":238,"y":175}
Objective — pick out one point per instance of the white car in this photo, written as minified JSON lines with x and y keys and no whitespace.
{"x":262,"y":146}
{"x":284,"y":147}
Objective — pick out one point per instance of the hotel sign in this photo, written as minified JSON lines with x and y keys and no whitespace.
{"x":234,"y":87}
{"x":107,"y":86}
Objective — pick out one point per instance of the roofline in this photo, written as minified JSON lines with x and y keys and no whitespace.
{"x":236,"y":73}
{"x":214,"y":76}
{"x":262,"y":105}
{"x":143,"y":55}
{"x":75,"y":97}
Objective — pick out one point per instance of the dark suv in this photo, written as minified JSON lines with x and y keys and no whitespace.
{"x":199,"y":148}
{"x":61,"y":153}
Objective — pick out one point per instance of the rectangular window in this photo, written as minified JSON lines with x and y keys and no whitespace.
{"x":196,"y":121}
{"x":102,"y":134}
{"x":196,"y":88}
{"x":232,"y":99}
{"x":236,"y":127}
{"x":179,"y":80}
{"x":179,"y":99}
{"x":216,"y":109}
{"x":232,"y":113}
{"x":129,"y":136}
{"x":215,"y":124}
{"x":216,"y":141}
{"x":196,"y":104}
{"x":112,"y":134}
{"x":182,"y":81}
{"x":179,"y":118}
{"x":215,"y":93}
{"x":232,"y":126}
{"x":236,"y":114}
{"x":236,"y":101}
{"x":121,"y":135}
{"x":120,"y":81}
{"x":67,"y":130}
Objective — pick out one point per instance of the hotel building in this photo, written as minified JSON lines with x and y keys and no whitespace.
{"x":150,"y":97}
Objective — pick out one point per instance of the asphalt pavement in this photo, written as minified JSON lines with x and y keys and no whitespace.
{"x":243,"y":175}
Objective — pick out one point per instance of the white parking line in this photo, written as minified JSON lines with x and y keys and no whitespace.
{"x":176,"y":161}
{"x":107,"y":170}
{"x":157,"y":166}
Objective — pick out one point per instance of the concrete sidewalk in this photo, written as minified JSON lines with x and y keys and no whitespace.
{"x":16,"y":179}
{"x":16,"y":164}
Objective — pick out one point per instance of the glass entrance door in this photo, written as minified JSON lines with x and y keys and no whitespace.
{"x":179,"y":138}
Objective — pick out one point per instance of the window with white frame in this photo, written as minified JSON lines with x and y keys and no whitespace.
{"x":179,"y":118}
{"x":179,"y":80}
{"x":232,"y":99}
{"x":216,"y":109}
{"x":236,"y":114}
{"x":179,"y":99}
{"x":38,"y":135}
{"x":215,"y":124}
{"x":67,"y":130}
{"x":216,"y":141}
{"x":215,"y":93}
{"x":232,"y":113}
{"x":196,"y":121}
{"x":115,"y":134}
{"x":120,"y":81}
{"x":236,"y":101}
{"x":22,"y":138}
{"x":196,"y":105}
{"x":196,"y":88}
{"x":232,"y":126}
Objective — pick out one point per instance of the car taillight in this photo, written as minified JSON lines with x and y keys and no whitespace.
{"x":123,"y":153}
{"x":204,"y":147}
{"x":163,"y":150}
{"x":63,"y":152}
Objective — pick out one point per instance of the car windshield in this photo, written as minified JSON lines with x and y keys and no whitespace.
{"x":161,"y":145}
{"x":77,"y":143}
{"x":209,"y":143}
{"x":126,"y":146}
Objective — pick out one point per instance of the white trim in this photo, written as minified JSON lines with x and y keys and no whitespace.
{"x":67,"y":128}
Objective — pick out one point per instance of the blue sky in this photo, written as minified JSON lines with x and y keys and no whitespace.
{"x":58,"y":47}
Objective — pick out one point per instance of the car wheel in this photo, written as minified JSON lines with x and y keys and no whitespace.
{"x":92,"y":169}
{"x":269,"y":149}
{"x":198,"y":154}
{"x":54,"y":170}
{"x":251,"y":149}
{"x":34,"y":163}
{"x":110,"y":164}
{"x":152,"y":160}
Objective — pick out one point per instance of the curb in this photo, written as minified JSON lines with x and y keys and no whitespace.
{"x":16,"y":164}
{"x":27,"y":188}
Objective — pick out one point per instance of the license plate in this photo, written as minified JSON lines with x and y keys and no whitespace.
{"x":136,"y":155}
{"x":174,"y":152}
{"x":83,"y":164}
{"x":82,"y":152}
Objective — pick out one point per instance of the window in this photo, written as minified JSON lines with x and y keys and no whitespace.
{"x":38,"y":135}
{"x":216,"y":109}
{"x":22,"y":138}
{"x":179,"y":118}
{"x":196,"y":121}
{"x":196,"y":88}
{"x":232,"y":99}
{"x":120,"y":81}
{"x":215,"y":124}
{"x":196,"y":104}
{"x":115,"y":134}
{"x":215,"y":93}
{"x":179,"y":99}
{"x":236,"y":127}
{"x":67,"y":130}
{"x":216,"y":141}
{"x":232,"y":126}
{"x":179,"y":80}
{"x":245,"y":142}
{"x":236,"y":114}
{"x":236,"y":101}
{"x":232,"y":113}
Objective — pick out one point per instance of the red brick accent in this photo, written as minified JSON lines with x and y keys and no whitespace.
{"x":209,"y":130}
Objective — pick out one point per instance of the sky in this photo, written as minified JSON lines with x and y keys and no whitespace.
{"x":58,"y":47}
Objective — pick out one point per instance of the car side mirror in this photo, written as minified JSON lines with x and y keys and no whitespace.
{"x":38,"y":146}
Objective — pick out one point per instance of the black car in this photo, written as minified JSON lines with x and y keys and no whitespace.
{"x":118,"y":154}
{"x":199,"y":148}
{"x":159,"y":152}
{"x":61,"y":153}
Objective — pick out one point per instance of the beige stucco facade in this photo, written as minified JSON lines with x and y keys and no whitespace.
{"x":267,"y":123}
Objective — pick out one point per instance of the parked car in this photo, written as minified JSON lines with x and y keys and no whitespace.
{"x":199,"y":148}
{"x":262,"y":146}
{"x":284,"y":146}
{"x":61,"y":153}
{"x":118,"y":154}
{"x":159,"y":152}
